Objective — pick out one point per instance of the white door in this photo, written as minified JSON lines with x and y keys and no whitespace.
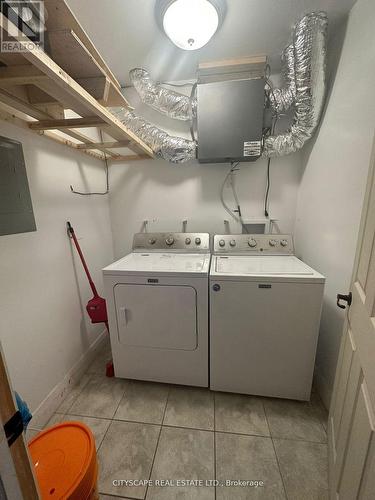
{"x":352,"y":413}
{"x":156,"y":316}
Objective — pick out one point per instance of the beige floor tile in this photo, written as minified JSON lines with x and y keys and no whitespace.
{"x":183,"y":454}
{"x":143,"y":402}
{"x":72,"y":394}
{"x":98,"y":426}
{"x":126,"y":453}
{"x":99,"y":398}
{"x":56,"y":418}
{"x":190,"y":407}
{"x":304,"y":467}
{"x":99,"y":363}
{"x":242,"y":414}
{"x":249,"y":458}
{"x":294,"y":420}
{"x":111,"y":497}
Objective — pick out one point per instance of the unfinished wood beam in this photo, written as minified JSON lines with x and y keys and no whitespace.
{"x":19,"y":451}
{"x":15,"y":120}
{"x":115,"y":98}
{"x":64,"y":98}
{"x":104,"y":145}
{"x":22,"y":106}
{"x":43,"y":62}
{"x":98,"y":87}
{"x":61,"y":17}
{"x":71,"y":55}
{"x":38,"y":96}
{"x":41,"y":115}
{"x":21,"y":75}
{"x":89,"y":121}
{"x":240,"y":67}
{"x":125,"y":158}
{"x":55,"y":111}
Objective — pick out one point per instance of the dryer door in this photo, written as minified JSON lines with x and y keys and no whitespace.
{"x":156,"y":316}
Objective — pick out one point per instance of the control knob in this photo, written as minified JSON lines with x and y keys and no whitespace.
{"x":284,"y":243}
{"x":252,"y":243}
{"x":170,"y":240}
{"x":188,"y":241}
{"x":152,"y":241}
{"x":197,"y":241}
{"x":222,"y":243}
{"x":273,"y":243}
{"x":232,"y":243}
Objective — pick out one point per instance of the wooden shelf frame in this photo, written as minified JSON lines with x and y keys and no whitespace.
{"x":35,"y":92}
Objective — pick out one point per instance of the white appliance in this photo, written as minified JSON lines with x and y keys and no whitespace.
{"x":265,"y":307}
{"x":157,"y":304}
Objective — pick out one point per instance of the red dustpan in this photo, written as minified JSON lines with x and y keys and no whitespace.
{"x":96,"y":307}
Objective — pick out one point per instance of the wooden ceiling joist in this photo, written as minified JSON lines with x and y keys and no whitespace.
{"x":90,"y":121}
{"x":60,"y":17}
{"x":21,"y":75}
{"x":38,"y":90}
{"x":104,"y":145}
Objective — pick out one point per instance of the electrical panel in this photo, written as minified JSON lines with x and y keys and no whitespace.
{"x":16,"y":210}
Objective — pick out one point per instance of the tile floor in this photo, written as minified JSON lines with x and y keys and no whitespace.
{"x":152,"y":431}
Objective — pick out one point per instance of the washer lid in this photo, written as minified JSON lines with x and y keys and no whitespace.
{"x":263,"y":266}
{"x":159,"y":263}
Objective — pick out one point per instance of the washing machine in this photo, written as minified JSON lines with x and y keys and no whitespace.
{"x":265,"y":307}
{"x":157,"y":300}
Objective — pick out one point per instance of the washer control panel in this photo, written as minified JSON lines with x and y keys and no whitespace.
{"x":266,"y":244}
{"x":183,"y":242}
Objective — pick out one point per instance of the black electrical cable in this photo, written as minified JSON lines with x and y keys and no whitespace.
{"x":270,"y":131}
{"x":266,"y":201}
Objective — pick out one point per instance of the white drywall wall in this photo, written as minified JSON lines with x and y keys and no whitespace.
{"x":44,"y":328}
{"x":333,"y":183}
{"x":166,"y":194}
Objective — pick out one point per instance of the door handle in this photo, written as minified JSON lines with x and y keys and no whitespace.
{"x":125,"y":315}
{"x":346,"y":298}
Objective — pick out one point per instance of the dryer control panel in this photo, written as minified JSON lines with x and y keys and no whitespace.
{"x":170,"y":242}
{"x":260,"y":244}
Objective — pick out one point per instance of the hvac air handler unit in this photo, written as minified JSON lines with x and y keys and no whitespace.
{"x":230,"y":120}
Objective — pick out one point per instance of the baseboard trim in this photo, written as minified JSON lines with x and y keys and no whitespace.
{"x":54,"y":399}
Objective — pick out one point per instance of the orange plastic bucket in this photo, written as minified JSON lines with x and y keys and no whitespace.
{"x":65,"y":463}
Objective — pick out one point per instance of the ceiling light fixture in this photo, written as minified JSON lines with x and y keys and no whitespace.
{"x":190,"y":24}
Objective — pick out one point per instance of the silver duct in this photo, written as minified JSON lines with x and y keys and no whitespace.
{"x":309,"y":42}
{"x":281,"y":99}
{"x":167,"y":102}
{"x":173,"y":149}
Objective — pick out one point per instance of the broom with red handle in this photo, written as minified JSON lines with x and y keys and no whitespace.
{"x":96,"y":307}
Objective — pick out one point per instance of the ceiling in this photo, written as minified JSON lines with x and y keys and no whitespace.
{"x":127,"y":35}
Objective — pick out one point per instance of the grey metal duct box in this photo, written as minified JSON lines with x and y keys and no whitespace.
{"x":230,"y":120}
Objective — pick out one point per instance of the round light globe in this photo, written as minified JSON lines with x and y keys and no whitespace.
{"x":190,"y":24}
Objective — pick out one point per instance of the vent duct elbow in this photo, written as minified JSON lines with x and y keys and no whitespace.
{"x":281,"y":99}
{"x":309,"y":48}
{"x":170,"y":148}
{"x":167,"y":102}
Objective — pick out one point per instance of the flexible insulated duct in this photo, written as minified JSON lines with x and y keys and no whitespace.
{"x":309,"y":42}
{"x":167,"y":102}
{"x":282,"y":98}
{"x":173,"y":149}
